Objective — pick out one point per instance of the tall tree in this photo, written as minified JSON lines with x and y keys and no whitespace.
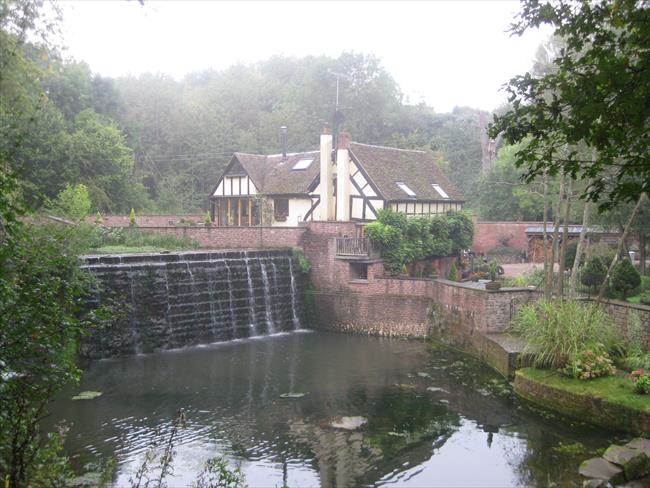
{"x":598,"y":94}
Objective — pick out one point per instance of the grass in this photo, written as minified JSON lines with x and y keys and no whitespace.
{"x":634,"y":299}
{"x":614,"y":389}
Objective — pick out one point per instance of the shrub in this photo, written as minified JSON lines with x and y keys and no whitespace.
{"x":589,"y":364}
{"x":72,"y":202}
{"x":593,"y":273}
{"x":645,"y":297}
{"x":303,"y":263}
{"x":556,"y":331}
{"x":98,"y":218}
{"x":493,"y":270}
{"x":625,"y":278}
{"x":570,"y":254}
{"x":207,"y":219}
{"x":405,"y":240}
{"x":641,"y":380}
{"x":453,"y":272}
{"x":132,"y":218}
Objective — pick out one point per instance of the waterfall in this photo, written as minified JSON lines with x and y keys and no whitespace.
{"x":186,"y":298}
{"x":294,"y":292}
{"x":267,"y":299}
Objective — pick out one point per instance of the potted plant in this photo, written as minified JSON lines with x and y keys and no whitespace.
{"x":493,"y":274}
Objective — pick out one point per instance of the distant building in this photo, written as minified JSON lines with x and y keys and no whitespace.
{"x":349,"y":184}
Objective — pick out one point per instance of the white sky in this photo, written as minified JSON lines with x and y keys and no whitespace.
{"x":446,"y":53}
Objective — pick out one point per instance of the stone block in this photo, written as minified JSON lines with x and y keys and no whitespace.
{"x":601,"y":469}
{"x":634,"y":462}
{"x":641,"y":444}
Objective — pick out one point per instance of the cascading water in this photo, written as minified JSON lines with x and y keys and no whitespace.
{"x":180,"y":299}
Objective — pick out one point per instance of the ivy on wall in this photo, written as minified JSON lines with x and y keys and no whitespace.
{"x":405,"y":240}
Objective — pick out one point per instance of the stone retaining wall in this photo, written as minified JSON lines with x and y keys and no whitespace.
{"x":621,"y":313}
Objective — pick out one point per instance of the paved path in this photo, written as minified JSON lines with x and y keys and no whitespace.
{"x":520,"y":269}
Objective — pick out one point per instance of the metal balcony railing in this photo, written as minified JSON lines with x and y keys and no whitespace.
{"x":356,"y":247}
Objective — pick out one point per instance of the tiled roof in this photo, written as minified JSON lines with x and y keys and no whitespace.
{"x":386,"y":166}
{"x":275,"y":175}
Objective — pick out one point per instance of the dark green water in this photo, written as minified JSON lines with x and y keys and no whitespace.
{"x":470,"y":433}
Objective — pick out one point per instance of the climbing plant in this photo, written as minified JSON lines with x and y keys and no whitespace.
{"x":405,"y":240}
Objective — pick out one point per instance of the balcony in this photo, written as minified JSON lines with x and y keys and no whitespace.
{"x":357,"y":249}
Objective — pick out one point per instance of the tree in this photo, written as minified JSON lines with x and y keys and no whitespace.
{"x":73,"y":202}
{"x":597,"y":95}
{"x":625,"y":278}
{"x":593,"y":273}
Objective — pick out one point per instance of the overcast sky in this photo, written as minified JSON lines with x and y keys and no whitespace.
{"x":444,"y":53}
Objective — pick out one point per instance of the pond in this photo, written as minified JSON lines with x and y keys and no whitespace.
{"x":434,"y":417}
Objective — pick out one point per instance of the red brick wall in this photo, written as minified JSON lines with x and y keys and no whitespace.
{"x":236,"y":237}
{"x":487,"y":234}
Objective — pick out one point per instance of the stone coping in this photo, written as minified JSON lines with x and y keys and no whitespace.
{"x":176,"y":256}
{"x":581,"y":406}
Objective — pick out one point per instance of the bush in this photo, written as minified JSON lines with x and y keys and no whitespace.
{"x":589,"y":364}
{"x":641,"y":380}
{"x":556,"y":331}
{"x":73,"y":202}
{"x":593,"y":273}
{"x":570,"y":254}
{"x":405,"y":240}
{"x":453,"y":272}
{"x":625,"y":278}
{"x":132,"y":222}
{"x":645,"y":297}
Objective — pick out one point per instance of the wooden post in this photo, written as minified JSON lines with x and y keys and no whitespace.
{"x":228,"y":216}
{"x":250,"y":213}
{"x":239,"y":212}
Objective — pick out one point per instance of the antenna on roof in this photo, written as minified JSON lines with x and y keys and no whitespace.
{"x":283,"y":141}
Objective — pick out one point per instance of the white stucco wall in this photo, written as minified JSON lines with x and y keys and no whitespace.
{"x":298,"y":208}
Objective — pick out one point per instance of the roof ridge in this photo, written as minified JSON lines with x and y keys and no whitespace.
{"x":388,"y":147}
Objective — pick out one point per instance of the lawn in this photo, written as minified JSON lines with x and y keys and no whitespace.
{"x":127,"y":249}
{"x":614,"y":389}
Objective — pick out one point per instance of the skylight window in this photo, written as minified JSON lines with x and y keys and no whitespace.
{"x":405,"y":188}
{"x":440,"y":191}
{"x":303,"y":164}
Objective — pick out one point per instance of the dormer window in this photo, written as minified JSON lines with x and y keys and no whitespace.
{"x":302,"y":164}
{"x":404,"y":187}
{"x":440,"y":191}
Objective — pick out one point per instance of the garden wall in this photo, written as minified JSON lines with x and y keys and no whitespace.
{"x":621,"y":313}
{"x":234,"y":237}
{"x":488,"y":235}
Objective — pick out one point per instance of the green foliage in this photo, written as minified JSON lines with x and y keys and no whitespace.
{"x":641,"y":380}
{"x":42,"y":312}
{"x":580,"y":99}
{"x":217,"y":474}
{"x":625,"y":278}
{"x":303,"y":263}
{"x":492,"y":270}
{"x":502,"y":195}
{"x":132,"y":222}
{"x":593,"y":273}
{"x":589,"y":364}
{"x":72,"y":202}
{"x":556,"y":331}
{"x":207,"y":218}
{"x":405,"y":240}
{"x":645,"y":297}
{"x":98,"y":218}
{"x":570,"y":255}
{"x":453,"y":272}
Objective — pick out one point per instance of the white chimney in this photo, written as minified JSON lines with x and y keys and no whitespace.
{"x":343,"y":177}
{"x":326,"y":204}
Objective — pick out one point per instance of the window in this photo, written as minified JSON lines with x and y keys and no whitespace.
{"x":302,"y":164}
{"x":440,"y":191}
{"x":405,"y":188}
{"x":280,"y":209}
{"x":359,"y":271}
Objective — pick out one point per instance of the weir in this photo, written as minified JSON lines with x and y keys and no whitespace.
{"x":171,"y":300}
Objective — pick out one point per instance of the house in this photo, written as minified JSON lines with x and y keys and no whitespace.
{"x":351,"y":183}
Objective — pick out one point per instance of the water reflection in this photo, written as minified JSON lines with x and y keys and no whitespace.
{"x":434,"y":418}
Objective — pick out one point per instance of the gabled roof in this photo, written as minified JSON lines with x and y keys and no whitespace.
{"x":386,"y":166}
{"x":275,"y":175}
